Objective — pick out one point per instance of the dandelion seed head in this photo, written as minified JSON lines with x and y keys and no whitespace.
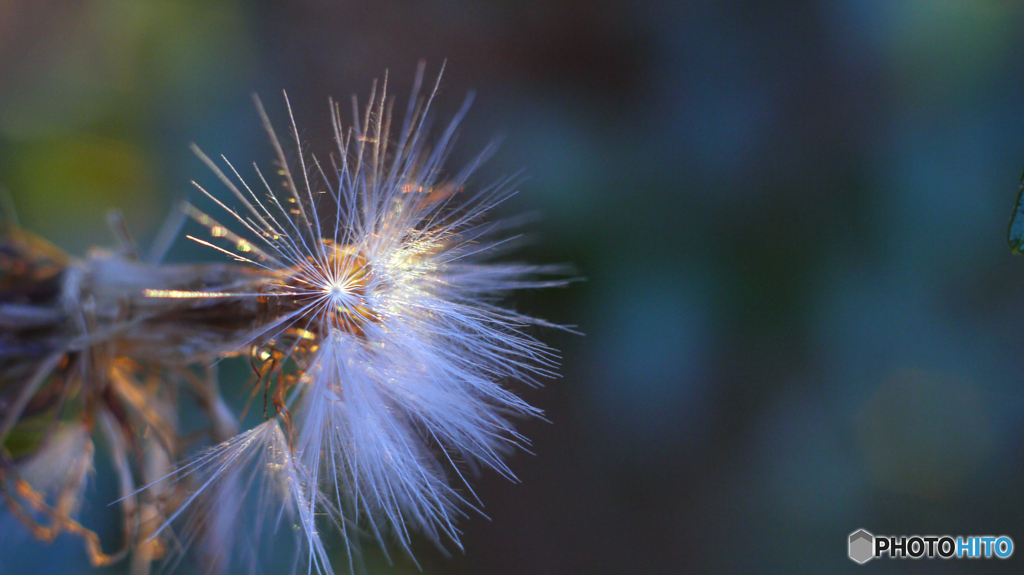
{"x":384,"y":294}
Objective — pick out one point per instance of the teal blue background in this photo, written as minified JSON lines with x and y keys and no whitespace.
{"x":802,"y":317}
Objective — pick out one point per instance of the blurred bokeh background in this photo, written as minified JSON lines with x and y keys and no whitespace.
{"x":801,"y":314}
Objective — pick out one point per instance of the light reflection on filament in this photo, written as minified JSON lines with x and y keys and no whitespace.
{"x":182,"y":294}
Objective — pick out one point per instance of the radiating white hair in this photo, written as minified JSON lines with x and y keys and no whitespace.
{"x":383,"y":293}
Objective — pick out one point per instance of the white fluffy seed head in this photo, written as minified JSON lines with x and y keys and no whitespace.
{"x":383,"y":293}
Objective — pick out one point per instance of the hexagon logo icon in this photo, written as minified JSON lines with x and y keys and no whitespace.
{"x":862,"y":546}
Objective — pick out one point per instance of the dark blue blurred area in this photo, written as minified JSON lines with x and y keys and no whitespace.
{"x":801,"y":314}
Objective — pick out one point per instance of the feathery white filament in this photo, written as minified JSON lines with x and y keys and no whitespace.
{"x":392,"y":277}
